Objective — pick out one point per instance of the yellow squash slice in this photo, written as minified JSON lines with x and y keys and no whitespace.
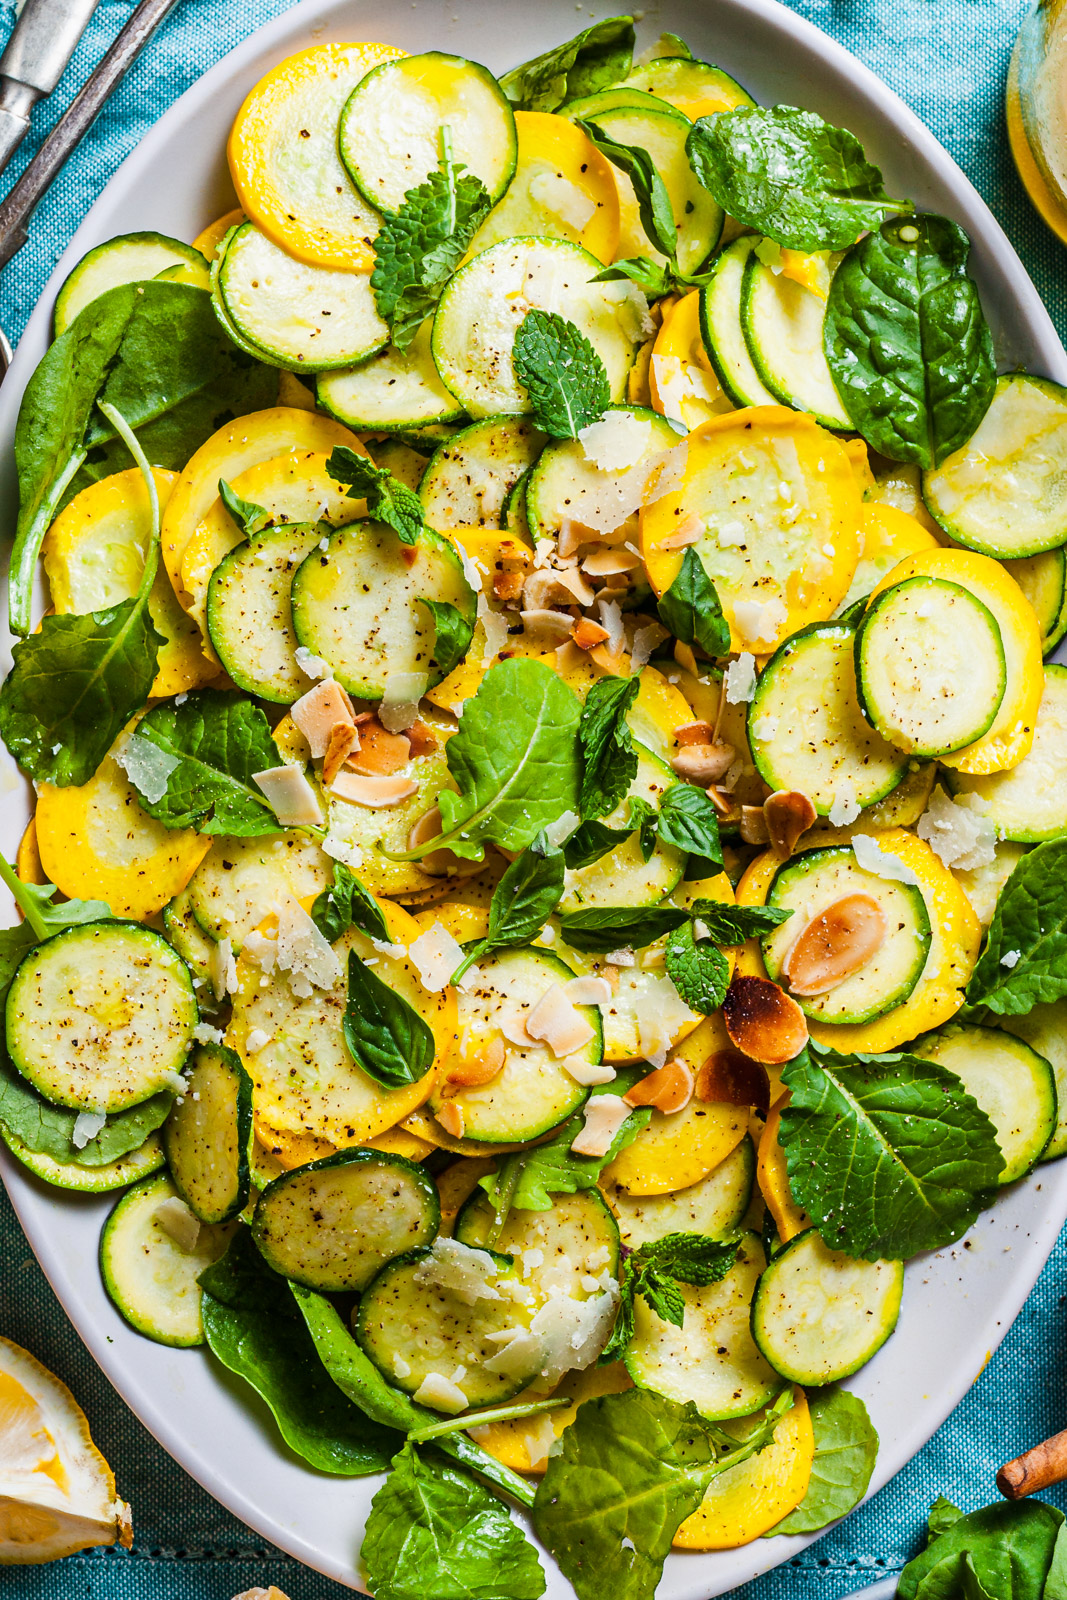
{"x":523,"y":1443}
{"x":28,"y":857}
{"x":681,"y":379}
{"x":284,"y":160}
{"x":752,"y":1498}
{"x":208,"y":242}
{"x":562,"y":187}
{"x":57,"y":1493}
{"x":887,"y":536}
{"x":773,"y":1179}
{"x":777,"y":508}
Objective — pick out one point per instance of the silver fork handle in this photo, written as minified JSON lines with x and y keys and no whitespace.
{"x":41,"y":43}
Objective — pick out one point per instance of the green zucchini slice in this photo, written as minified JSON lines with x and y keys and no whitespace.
{"x":930,"y":666}
{"x":334,"y":1224}
{"x":208,"y":1135}
{"x":811,"y":881}
{"x":818,"y":1316}
{"x":623,"y":877}
{"x":577,"y":1238}
{"x":394,"y":389}
{"x":402,"y":460}
{"x":589,"y":107}
{"x":1028,"y":803}
{"x":566,"y":485}
{"x":354,"y":604}
{"x":101,"y":1016}
{"x":720,"y":326}
{"x":805,"y":727}
{"x":129,"y":258}
{"x":712,"y":1358}
{"x":1004,"y":493}
{"x":118,"y":1174}
{"x":469,"y":477}
{"x":184,"y":933}
{"x":239,"y":881}
{"x":514,"y":516}
{"x":716,"y":1205}
{"x":1012,"y":1083}
{"x":249,"y":614}
{"x":1043,"y":580}
{"x":1044,"y":1029}
{"x":693,"y":87}
{"x":782,"y":322}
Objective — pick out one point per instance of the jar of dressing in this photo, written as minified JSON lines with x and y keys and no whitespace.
{"x":1037,"y":110}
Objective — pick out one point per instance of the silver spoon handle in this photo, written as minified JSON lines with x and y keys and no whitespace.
{"x":40,"y":45}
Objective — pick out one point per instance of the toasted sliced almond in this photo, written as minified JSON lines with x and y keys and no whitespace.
{"x":378,"y":793}
{"x":609,"y":563}
{"x":343,"y":740}
{"x":754,"y":828}
{"x":788,"y":813}
{"x":729,"y":1078}
{"x":588,"y":634}
{"x":668,"y":1089}
{"x":694,"y":733}
{"x":835,"y":944}
{"x":724,"y":803}
{"x":423,"y":740}
{"x":604,"y":1116}
{"x":703,"y":763}
{"x":557,"y":1022}
{"x":380,"y":753}
{"x":480,"y":1066}
{"x":549,"y":587}
{"x":574,"y":534}
{"x":763,"y":1021}
{"x":507,"y":586}
{"x":319,"y":712}
{"x":427,"y":827}
{"x":451,"y":1119}
{"x":616,"y":662}
{"x":689,"y":531}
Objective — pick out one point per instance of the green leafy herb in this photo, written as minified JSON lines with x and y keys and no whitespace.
{"x":254,"y":1329}
{"x":604,"y":928}
{"x":594,"y":839}
{"x":249,"y":517}
{"x":419,"y":247}
{"x":732,"y":925}
{"x":688,"y":821}
{"x":41,"y":920}
{"x":346,"y":904}
{"x":609,"y":760}
{"x":514,"y":759}
{"x":846,"y":1449}
{"x":387,"y":1038}
{"x":432,"y":1530}
{"x":217,"y":739}
{"x":690,"y":608}
{"x":650,"y":191}
{"x":564,"y":375}
{"x":595,"y":58}
{"x":388,"y":500}
{"x":1025,"y":956}
{"x":653,"y":280}
{"x":527,"y":1179}
{"x":943,"y":1516}
{"x":453,"y":635}
{"x":49,"y":1129}
{"x":909,"y":349}
{"x":790,"y":175}
{"x":654,"y":1272}
{"x":1008,"y":1549}
{"x":889,"y":1155}
{"x":522,"y":902}
{"x":699,"y":970}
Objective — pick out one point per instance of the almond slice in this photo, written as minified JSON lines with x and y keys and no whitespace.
{"x":470,"y":1071}
{"x":343,"y":740}
{"x":763,"y":1021}
{"x":545,"y":627}
{"x":788,"y":814}
{"x":507,"y":586}
{"x":422,"y":739}
{"x":754,"y":828}
{"x":380,"y":753}
{"x":318,"y":712}
{"x":703,"y":763}
{"x":694,"y":733}
{"x":375,"y":792}
{"x":690,"y":531}
{"x":609,"y":563}
{"x":587,"y":634}
{"x":729,"y":1078}
{"x":668,"y":1089}
{"x":835,"y":944}
{"x":452,"y":1119}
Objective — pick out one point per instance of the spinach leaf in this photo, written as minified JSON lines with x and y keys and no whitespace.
{"x":1025,"y":956}
{"x":943,"y":1516}
{"x":514,"y":760}
{"x":346,"y":904}
{"x":1010,"y":1548}
{"x":609,"y":760}
{"x":654,"y":1272}
{"x":691,"y":609}
{"x":453,"y":633}
{"x":731,"y":925}
{"x":419,"y":247}
{"x":604,"y":928}
{"x":253,"y":1328}
{"x":594,"y":839}
{"x":388,"y":500}
{"x":357,"y":1377}
{"x":653,"y":201}
{"x":522,"y":902}
{"x":563,"y":374}
{"x":909,"y":349}
{"x":699,"y":971}
{"x":386,"y":1037}
{"x":688,"y":821}
{"x":49,"y":1129}
{"x":432,"y":1530}
{"x":593,"y":59}
{"x":790,"y":175}
{"x":526,"y":1180}
{"x":218,"y":739}
{"x":846,"y":1449}
{"x":889,"y":1155}
{"x":249,"y":517}
{"x":652,"y":279}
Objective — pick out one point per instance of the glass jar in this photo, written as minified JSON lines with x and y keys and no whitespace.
{"x":1037,"y":110}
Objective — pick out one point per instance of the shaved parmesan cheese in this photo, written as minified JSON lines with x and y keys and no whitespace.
{"x":621,"y":958}
{"x":495,"y":628}
{"x":147,"y":766}
{"x":436,"y":955}
{"x":611,"y":620}
{"x":290,"y":796}
{"x":653,"y":1031}
{"x":460,"y":1270}
{"x":631,"y":309}
{"x":341,"y":849}
{"x":741,"y":679}
{"x":175,"y":1219}
{"x":588,"y":1072}
{"x":645,"y":641}
{"x":846,"y":808}
{"x":521,"y":1349}
{"x":604,"y":1116}
{"x":257,"y":1040}
{"x":671,"y":378}
{"x":572,"y":1332}
{"x":539,"y":1437}
{"x":556,"y":1021}
{"x":957,"y":831}
{"x":222,"y":969}
{"x":361,"y":789}
{"x":559,"y":832}
{"x":203,"y":1033}
{"x":883,"y":863}
{"x":759,"y":621}
{"x":261,"y":949}
{"x":668,"y":473}
{"x":563,"y":199}
{"x":87,"y":1124}
{"x":617,"y":440}
{"x":311,"y":666}
{"x":318,"y":712}
{"x":303,"y":953}
{"x":587,"y":991}
{"x":441,"y":1393}
{"x":399,"y":706}
{"x":1011,"y":958}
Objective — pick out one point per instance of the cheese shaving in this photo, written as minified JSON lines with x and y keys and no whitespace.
{"x":303,"y":953}
{"x":563,"y":199}
{"x":436,"y":955}
{"x":604,"y":1116}
{"x":147,"y":766}
{"x":222,"y":969}
{"x":741,"y":679}
{"x":441,"y":1393}
{"x":873,"y":858}
{"x":759,"y":621}
{"x":957,"y":831}
{"x":173,"y":1217}
{"x":399,"y":706}
{"x":616,"y":441}
{"x":311,"y":666}
{"x":846,"y":808}
{"x":87,"y":1124}
{"x":290,"y":796}
{"x":459,"y":1270}
{"x":558,"y":1023}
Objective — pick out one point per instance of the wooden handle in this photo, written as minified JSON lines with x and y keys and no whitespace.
{"x":1038,"y":1468}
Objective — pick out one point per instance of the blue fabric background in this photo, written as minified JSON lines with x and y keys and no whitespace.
{"x":949,"y":59}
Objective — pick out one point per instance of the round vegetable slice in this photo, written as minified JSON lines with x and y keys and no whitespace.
{"x":1044,"y":1029}
{"x":208,"y":1133}
{"x":773,"y":1177}
{"x":715,"y":1205}
{"x":129,"y":258}
{"x":597,"y":481}
{"x":118,"y":1174}
{"x":562,"y":188}
{"x":469,"y":476}
{"x":249,"y":613}
{"x":682,"y":380}
{"x":887,"y":535}
{"x":1013,"y":1085}
{"x":623,"y":877}
{"x":1028,"y":803}
{"x":752,"y":1498}
{"x":578,"y":1237}
{"x":1043,"y":580}
{"x":394,"y":389}
{"x":720,"y":325}
{"x":240,"y":880}
{"x":693,"y":87}
{"x":782,"y":321}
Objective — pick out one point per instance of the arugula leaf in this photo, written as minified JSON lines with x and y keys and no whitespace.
{"x":419,"y":247}
{"x":1010,"y":1547}
{"x":688,"y":821}
{"x":453,"y":635}
{"x":594,"y":839}
{"x":846,"y":1449}
{"x":386,"y":1037}
{"x":388,"y":500}
{"x":604,"y":928}
{"x":47,"y":1128}
{"x":909,"y":349}
{"x":790,"y":175}
{"x":609,"y":760}
{"x":522,"y":902}
{"x":218,"y":739}
{"x":1025,"y":956}
{"x":250,"y":517}
{"x":654,"y":1272}
{"x":595,"y":58}
{"x":650,"y":191}
{"x":527,"y":1179}
{"x":699,"y":972}
{"x":652,"y":279}
{"x":252,"y":1326}
{"x":346,"y":904}
{"x":514,"y":759}
{"x":563,"y":374}
{"x":690,"y":608}
{"x":432,"y":1530}
{"x":731,"y":925}
{"x":889,"y":1155}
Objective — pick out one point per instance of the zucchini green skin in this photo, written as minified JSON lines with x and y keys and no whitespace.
{"x":249,"y":614}
{"x":394,"y":390}
{"x":1043,"y":580}
{"x":720,"y":326}
{"x":136,"y":1164}
{"x":717,"y":1205}
{"x":182,"y":930}
{"x":554,"y":485}
{"x":807,"y":389}
{"x":1012,"y":1083}
{"x":1045,"y":1030}
{"x":623,"y":877}
{"x":577,"y":1222}
{"x":298,"y":1237}
{"x":488,"y":456}
{"x":128,"y":258}
{"x":208,"y":1136}
{"x":1027,"y":804}
{"x":622,"y":97}
{"x":684,"y":76}
{"x":801,"y":1348}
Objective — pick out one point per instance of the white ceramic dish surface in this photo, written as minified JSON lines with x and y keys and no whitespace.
{"x":958,"y":1305}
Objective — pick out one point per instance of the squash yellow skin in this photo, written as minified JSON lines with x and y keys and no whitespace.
{"x":551,"y":144}
{"x":773,"y":1178}
{"x":887,"y":537}
{"x":679,"y":348}
{"x":507,"y":1441}
{"x":208,"y":241}
{"x":28,"y":857}
{"x":752,"y":1498}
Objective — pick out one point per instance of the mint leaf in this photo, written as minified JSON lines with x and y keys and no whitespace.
{"x":654,"y":1272}
{"x":699,"y":972}
{"x":653,"y":280}
{"x":218,"y":740}
{"x":346,"y":904}
{"x":419,"y":247}
{"x":522,"y":902}
{"x":388,"y":500}
{"x":386,"y":1037}
{"x":453,"y":635}
{"x":653,"y":201}
{"x":1010,"y":1547}
{"x":609,"y":760}
{"x":732,"y":925}
{"x":604,"y":928}
{"x":249,"y":517}
{"x":562,"y":373}
{"x":594,"y":839}
{"x":49,"y":1129}
{"x":595,"y":58}
{"x":846,"y":1449}
{"x":690,"y":608}
{"x":889,"y":1155}
{"x":688,"y":821}
{"x":790,"y":175}
{"x":433,"y":1530}
{"x":1029,"y":927}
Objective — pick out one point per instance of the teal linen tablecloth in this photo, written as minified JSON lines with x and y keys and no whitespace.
{"x":948,"y":59}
